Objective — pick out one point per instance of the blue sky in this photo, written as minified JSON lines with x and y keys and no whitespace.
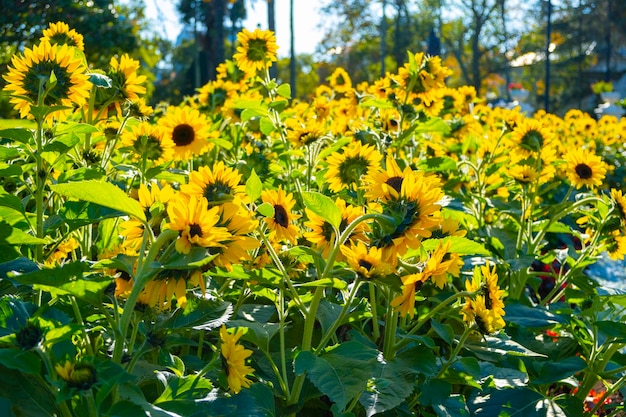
{"x":306,"y":17}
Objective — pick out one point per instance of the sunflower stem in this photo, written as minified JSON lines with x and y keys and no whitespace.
{"x":374,"y":307}
{"x":344,"y":311}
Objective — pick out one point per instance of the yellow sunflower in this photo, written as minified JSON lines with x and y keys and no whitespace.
{"x":486,"y":308}
{"x":405,"y":303}
{"x":281,"y":226}
{"x":169,"y":289}
{"x":219,"y":184}
{"x":234,"y":358}
{"x":531,"y":135}
{"x":385,"y":183}
{"x":256,"y":50}
{"x":126,"y":82}
{"x":30,"y":71}
{"x":195,"y":222}
{"x":524,"y":174}
{"x":148,"y":142}
{"x":616,"y":246}
{"x":346,"y":169}
{"x":189,"y":130}
{"x":417,"y":213}
{"x":340,"y":81}
{"x":366,"y":261}
{"x":322,"y":235}
{"x":619,"y":204}
{"x":585,"y":168}
{"x":240,"y":224}
{"x":62,"y":251}
{"x":61,"y":34}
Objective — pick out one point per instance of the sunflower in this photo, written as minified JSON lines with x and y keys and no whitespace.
{"x":585,"y":168}
{"x":616,"y":246}
{"x":619,"y":204}
{"x":219,"y":184}
{"x":405,"y":303}
{"x":171,"y":285}
{"x":256,"y":50}
{"x":126,"y":82}
{"x":61,"y":34}
{"x":385,"y":184}
{"x":281,"y":227}
{"x":303,"y":134}
{"x":195,"y":222}
{"x":234,"y":358}
{"x":486,"y":308}
{"x":32,"y":70}
{"x":531,"y":135}
{"x":240,"y":224}
{"x":322,"y":235}
{"x":346,"y":169}
{"x":189,"y":130}
{"x":416,"y":211}
{"x":80,"y":375}
{"x":441,"y":263}
{"x":148,"y":142}
{"x":366,"y":261}
{"x":62,"y":251}
{"x":340,"y":81}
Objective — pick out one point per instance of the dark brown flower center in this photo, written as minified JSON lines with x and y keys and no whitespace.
{"x":583,"y":171}
{"x":195,"y":230}
{"x":280,"y":216}
{"x":183,"y":135}
{"x":365,"y":264}
{"x":395,"y":183}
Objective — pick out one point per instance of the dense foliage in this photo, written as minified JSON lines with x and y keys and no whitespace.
{"x":388,"y":248}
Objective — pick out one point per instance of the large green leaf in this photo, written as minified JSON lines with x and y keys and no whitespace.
{"x":26,"y":362}
{"x":28,"y":396}
{"x":342,"y":373}
{"x":199,"y":314}
{"x":520,"y":402}
{"x":459,"y":245}
{"x":555,"y":371}
{"x":453,"y":406}
{"x":67,"y":279}
{"x":393,"y":381}
{"x":254,"y":186}
{"x":10,"y":235}
{"x":17,"y":134}
{"x":183,"y":388}
{"x":102,"y":193}
{"x":536,"y":317}
{"x":323,"y":206}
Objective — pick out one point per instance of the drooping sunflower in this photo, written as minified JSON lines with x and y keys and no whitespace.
{"x":62,"y":251}
{"x":32,"y":70}
{"x":322,"y":235}
{"x":281,"y":225}
{"x":524,"y":174}
{"x":585,"y":168}
{"x":256,"y":51}
{"x":366,"y":261}
{"x":346,"y":169}
{"x":189,"y":130}
{"x":169,"y":288}
{"x":340,"y":81}
{"x":405,"y":303}
{"x":148,"y":142}
{"x":218,"y":184}
{"x":486,"y":308}
{"x":126,"y":81}
{"x":234,"y":358}
{"x":195,"y":222}
{"x":61,"y":34}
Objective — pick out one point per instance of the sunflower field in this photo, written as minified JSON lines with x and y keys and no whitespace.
{"x":396,"y":248}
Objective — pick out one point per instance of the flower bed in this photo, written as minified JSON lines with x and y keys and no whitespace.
{"x":394,"y":248}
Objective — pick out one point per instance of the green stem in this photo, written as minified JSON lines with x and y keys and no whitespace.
{"x":391,"y":325}
{"x":456,"y":351}
{"x":79,"y":319}
{"x":374,"y":307}
{"x":344,"y":311}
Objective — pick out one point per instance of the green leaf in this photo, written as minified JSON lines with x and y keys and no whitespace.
{"x":8,"y":153}
{"x":342,"y":373}
{"x":612,"y":329}
{"x":453,"y":406}
{"x":199,"y":314}
{"x":444,"y":331}
{"x":551,"y":372}
{"x":377,"y":103}
{"x":28,"y":396}
{"x":24,"y":361}
{"x":259,"y":334}
{"x":254,"y":186}
{"x":102,"y":193}
{"x":67,"y":279}
{"x":392,"y":383}
{"x":536,"y":317}
{"x":284,"y":90}
{"x":519,"y":402}
{"x":266,"y":126}
{"x":437,"y":164}
{"x":186,"y":388}
{"x":325,"y":282}
{"x":323,"y":206}
{"x":77,"y":214}
{"x":434,"y":391}
{"x":9,"y":200}
{"x":17,"y":134}
{"x":266,"y":209}
{"x":100,"y":80}
{"x":502,"y":345}
{"x":502,"y":377}
{"x":13,"y":236}
{"x":460,"y":245}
